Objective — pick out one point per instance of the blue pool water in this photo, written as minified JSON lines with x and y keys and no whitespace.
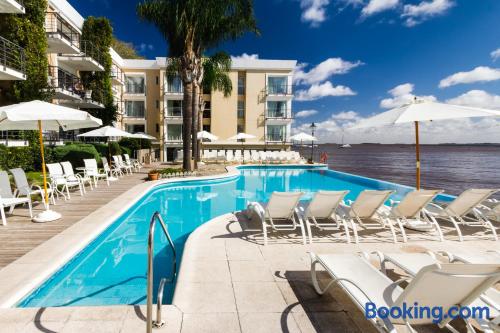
{"x":112,"y":269}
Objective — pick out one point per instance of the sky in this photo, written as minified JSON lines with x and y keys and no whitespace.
{"x":357,"y":58}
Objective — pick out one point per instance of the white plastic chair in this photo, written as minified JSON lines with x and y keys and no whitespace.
{"x":322,"y":213}
{"x":463,"y":211}
{"x":112,"y":172}
{"x":430,"y":287}
{"x":92,"y":171}
{"x":133,"y":163}
{"x":23,"y":188}
{"x":57,"y":178}
{"x":7,"y":198}
{"x":282,"y":207}
{"x":366,"y":213}
{"x":71,"y":176}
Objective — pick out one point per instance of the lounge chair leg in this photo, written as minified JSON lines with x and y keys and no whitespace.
{"x":309,"y":232}
{"x":264,"y":229}
{"x":314,"y":278}
{"x":403,"y":232}
{"x":438,"y":229}
{"x":346,"y":228}
{"x":394,"y":237}
{"x":30,"y":209}
{"x":4,"y":219}
{"x":303,"y":231}
{"x":460,"y":237}
{"x":67,"y":192}
{"x":355,"y":232}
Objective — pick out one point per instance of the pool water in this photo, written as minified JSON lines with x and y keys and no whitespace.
{"x":112,"y":269}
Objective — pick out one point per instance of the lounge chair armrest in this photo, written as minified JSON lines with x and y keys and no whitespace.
{"x":394,"y":202}
{"x":447,"y":254}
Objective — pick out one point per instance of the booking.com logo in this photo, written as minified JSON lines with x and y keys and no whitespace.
{"x":416,"y":311}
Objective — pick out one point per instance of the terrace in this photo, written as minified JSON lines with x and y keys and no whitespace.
{"x":12,"y":6}
{"x":87,"y":59}
{"x":66,"y":85}
{"x":62,"y":37}
{"x":12,"y":61}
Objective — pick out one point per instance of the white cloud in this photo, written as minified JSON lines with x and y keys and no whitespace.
{"x":245,"y":56}
{"x":305,"y":113}
{"x":478,"y":74}
{"x":401,"y":95}
{"x":416,"y":14}
{"x":145,"y":47}
{"x":317,"y":91}
{"x":495,"y":55}
{"x":377,"y":6}
{"x":477,"y":98}
{"x":323,"y":71}
{"x":314,"y":11}
{"x":452,"y":131}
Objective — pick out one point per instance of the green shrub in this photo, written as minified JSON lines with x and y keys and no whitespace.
{"x":16,"y":157}
{"x":75,"y":153}
{"x":126,"y":150}
{"x":135,"y":144}
{"x":115,"y":148}
{"x":102,"y":148}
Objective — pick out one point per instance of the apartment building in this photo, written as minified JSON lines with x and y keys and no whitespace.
{"x":260,"y":105}
{"x":12,"y":64}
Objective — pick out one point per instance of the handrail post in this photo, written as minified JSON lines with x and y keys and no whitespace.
{"x":149,"y":305}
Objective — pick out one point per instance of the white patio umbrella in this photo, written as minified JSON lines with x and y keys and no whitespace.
{"x":107,"y":132}
{"x":39,"y":115}
{"x":206,"y":135}
{"x":242,"y":136}
{"x":142,"y":136}
{"x":422,"y":110}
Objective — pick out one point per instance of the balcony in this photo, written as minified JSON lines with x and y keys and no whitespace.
{"x":173,"y":88}
{"x":12,"y":7}
{"x":117,"y":76}
{"x":278,"y":117}
{"x":135,"y":89}
{"x":61,"y":36}
{"x":134,"y":110}
{"x":279,"y":92}
{"x":12,"y":61}
{"x":173,"y":115}
{"x":66,"y":85}
{"x":88,"y":59}
{"x":281,"y":138}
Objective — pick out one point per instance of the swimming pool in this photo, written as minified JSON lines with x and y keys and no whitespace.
{"x":111,"y":270}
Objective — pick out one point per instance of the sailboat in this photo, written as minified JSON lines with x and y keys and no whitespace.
{"x":344,"y":145}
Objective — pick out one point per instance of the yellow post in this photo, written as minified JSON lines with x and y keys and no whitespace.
{"x":46,"y":196}
{"x":417,"y":146}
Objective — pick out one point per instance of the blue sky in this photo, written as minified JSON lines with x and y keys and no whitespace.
{"x":440,"y":49}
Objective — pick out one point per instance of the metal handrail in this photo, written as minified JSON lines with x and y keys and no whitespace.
{"x":12,"y":55}
{"x":279,"y":89}
{"x":55,"y":24}
{"x":149,"y":312}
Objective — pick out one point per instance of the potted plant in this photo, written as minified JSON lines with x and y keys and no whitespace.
{"x":153,"y":174}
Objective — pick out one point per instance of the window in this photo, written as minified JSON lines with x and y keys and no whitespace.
{"x":135,"y":84}
{"x":157,"y":80}
{"x":276,"y":109}
{"x":157,"y":128}
{"x":276,"y":133}
{"x":135,"y":128}
{"x":174,"y":132}
{"x":241,"y":83}
{"x":157,"y":104}
{"x":174,"y":84}
{"x":206,"y":128}
{"x":174,"y":108}
{"x":207,"y":112}
{"x":241,"y":109}
{"x":278,"y":85}
{"x":240,"y":128}
{"x":135,"y":109}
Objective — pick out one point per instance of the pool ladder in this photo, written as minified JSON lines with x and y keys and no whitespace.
{"x":149,"y":313}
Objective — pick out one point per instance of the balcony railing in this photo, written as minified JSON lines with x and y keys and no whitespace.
{"x":117,"y":73}
{"x":279,"y":89}
{"x":59,"y":78}
{"x":172,"y":138}
{"x":134,"y":88}
{"x":55,"y":25}
{"x":275,"y":137}
{"x":12,"y":56}
{"x":134,"y":113}
{"x":173,"y":112}
{"x":90,"y":50}
{"x":277,"y":114}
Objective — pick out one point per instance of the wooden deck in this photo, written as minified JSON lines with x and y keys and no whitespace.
{"x":21,"y":235}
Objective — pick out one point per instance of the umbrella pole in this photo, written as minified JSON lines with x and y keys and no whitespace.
{"x":417,"y":151}
{"x":45,"y":192}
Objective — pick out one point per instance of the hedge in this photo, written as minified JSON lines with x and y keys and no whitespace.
{"x":75,"y":153}
{"x":16,"y":157}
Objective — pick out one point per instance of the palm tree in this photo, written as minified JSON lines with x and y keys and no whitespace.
{"x":191,"y":27}
{"x":215,"y":77}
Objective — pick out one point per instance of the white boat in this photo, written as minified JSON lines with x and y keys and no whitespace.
{"x":344,"y":145}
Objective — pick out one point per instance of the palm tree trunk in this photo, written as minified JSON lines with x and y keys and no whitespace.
{"x":194,"y":124}
{"x":201,"y":108}
{"x":187,"y":113}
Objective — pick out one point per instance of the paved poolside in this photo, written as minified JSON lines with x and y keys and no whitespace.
{"x":230,"y":282}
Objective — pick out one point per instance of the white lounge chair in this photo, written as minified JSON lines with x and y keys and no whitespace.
{"x":229,"y":156}
{"x":127,"y":167}
{"x":118,"y":164}
{"x":92,"y":171}
{"x":255,"y":156}
{"x":282,"y":207}
{"x":133,"y":163}
{"x":412,"y":263}
{"x":463,"y":211}
{"x":410,"y":213}
{"x":322,"y":213}
{"x":7,"y":198}
{"x":430,"y":287}
{"x":367,"y":212}
{"x":237,"y":156}
{"x":71,"y":176}
{"x":112,"y":172}
{"x":23,"y":188}
{"x":246,"y":156}
{"x":58,"y":179}
{"x":490,"y":210}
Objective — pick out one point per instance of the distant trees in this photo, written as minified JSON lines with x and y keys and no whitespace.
{"x":125,"y":50}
